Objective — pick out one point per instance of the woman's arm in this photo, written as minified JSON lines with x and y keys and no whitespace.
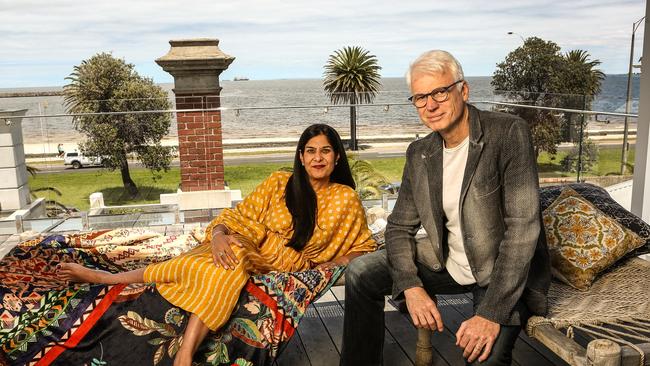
{"x":340,"y":261}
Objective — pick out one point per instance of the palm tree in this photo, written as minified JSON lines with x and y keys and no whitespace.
{"x":351,"y":76}
{"x":370,"y":182}
{"x":589,"y":76}
{"x":581,"y":80}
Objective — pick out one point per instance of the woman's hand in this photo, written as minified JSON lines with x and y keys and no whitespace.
{"x":328,"y":265}
{"x":340,"y":261}
{"x":222,"y":253}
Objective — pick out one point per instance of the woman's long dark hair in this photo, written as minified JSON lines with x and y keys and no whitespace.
{"x":299,"y":194}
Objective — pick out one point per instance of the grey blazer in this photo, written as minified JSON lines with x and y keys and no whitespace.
{"x":499,"y":217}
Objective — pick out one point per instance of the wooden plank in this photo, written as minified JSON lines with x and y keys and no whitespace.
{"x":631,"y":357}
{"x":394,"y":353}
{"x":565,"y":347}
{"x":318,"y":344}
{"x":331,"y":314}
{"x":294,"y":353}
{"x":443,"y":343}
{"x":537,"y":346}
{"x":451,"y":320}
{"x":406,"y":335}
{"x":523,"y":353}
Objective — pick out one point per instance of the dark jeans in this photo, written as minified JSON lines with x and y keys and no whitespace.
{"x":367,"y":281}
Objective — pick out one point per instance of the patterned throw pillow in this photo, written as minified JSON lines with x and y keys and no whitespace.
{"x":604,"y":202}
{"x":582,"y":240}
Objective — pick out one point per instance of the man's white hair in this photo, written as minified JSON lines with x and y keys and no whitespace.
{"x":435,"y":62}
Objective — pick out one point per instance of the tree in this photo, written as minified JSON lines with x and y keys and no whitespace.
{"x":538,"y":74}
{"x":369,"y":181}
{"x":352,"y":76}
{"x":104,"y":84}
{"x":581,"y":80}
{"x":585,"y":78}
{"x":529,"y":75}
{"x":572,"y":162}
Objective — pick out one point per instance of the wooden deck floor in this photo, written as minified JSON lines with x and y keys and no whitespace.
{"x":318,"y":342}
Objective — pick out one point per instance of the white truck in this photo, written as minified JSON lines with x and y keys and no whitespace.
{"x":77,"y":160}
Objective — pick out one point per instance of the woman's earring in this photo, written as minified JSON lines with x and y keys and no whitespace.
{"x":336,"y":162}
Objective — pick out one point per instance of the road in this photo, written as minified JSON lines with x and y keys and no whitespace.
{"x":368,"y":152}
{"x":57,"y":166}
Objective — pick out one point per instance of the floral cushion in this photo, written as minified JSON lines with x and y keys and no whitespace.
{"x":582,"y":240}
{"x":599,"y":197}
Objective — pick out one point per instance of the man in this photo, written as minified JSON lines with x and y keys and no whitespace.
{"x":472,"y":186}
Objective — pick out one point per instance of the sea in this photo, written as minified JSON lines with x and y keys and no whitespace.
{"x":283,"y":108}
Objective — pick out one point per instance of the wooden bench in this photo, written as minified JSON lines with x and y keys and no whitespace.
{"x":585,"y":349}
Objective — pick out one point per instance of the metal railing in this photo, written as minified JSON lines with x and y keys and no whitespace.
{"x":389,"y":111}
{"x":321,"y":106}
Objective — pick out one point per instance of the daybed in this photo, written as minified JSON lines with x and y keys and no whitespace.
{"x":608,"y":323}
{"x":46,"y":322}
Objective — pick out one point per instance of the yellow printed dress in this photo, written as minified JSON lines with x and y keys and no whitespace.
{"x":262,"y":222}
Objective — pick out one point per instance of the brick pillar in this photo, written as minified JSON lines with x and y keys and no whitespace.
{"x":196,"y":65}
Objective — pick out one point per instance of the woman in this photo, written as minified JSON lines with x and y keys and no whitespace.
{"x":291,"y":222}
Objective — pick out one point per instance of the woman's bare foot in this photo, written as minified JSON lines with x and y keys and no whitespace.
{"x":74,"y":272}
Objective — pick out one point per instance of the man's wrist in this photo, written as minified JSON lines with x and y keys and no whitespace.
{"x":413,"y":289}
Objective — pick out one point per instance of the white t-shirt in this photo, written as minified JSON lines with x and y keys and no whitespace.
{"x":453,"y":170}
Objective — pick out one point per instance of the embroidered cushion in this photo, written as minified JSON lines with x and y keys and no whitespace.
{"x":582,"y":240}
{"x":604,"y":202}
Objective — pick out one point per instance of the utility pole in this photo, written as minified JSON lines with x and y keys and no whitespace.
{"x":628,"y":98}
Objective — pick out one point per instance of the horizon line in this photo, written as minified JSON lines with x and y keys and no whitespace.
{"x":271,"y":79}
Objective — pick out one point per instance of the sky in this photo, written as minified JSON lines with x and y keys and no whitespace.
{"x":41,"y":41}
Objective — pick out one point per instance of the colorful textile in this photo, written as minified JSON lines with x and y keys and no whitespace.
{"x":45,"y":322}
{"x":582,"y":240}
{"x":263,"y":224}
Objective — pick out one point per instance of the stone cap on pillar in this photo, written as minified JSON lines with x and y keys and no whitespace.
{"x":11,"y":132}
{"x":195,"y":65}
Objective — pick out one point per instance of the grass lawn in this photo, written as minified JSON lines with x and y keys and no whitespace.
{"x":77,"y":186}
{"x":609,"y":163}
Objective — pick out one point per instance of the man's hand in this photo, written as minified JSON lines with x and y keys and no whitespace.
{"x":423,"y":309}
{"x":476,"y":336}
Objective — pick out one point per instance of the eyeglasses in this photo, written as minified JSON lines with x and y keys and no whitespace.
{"x":439,"y":95}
